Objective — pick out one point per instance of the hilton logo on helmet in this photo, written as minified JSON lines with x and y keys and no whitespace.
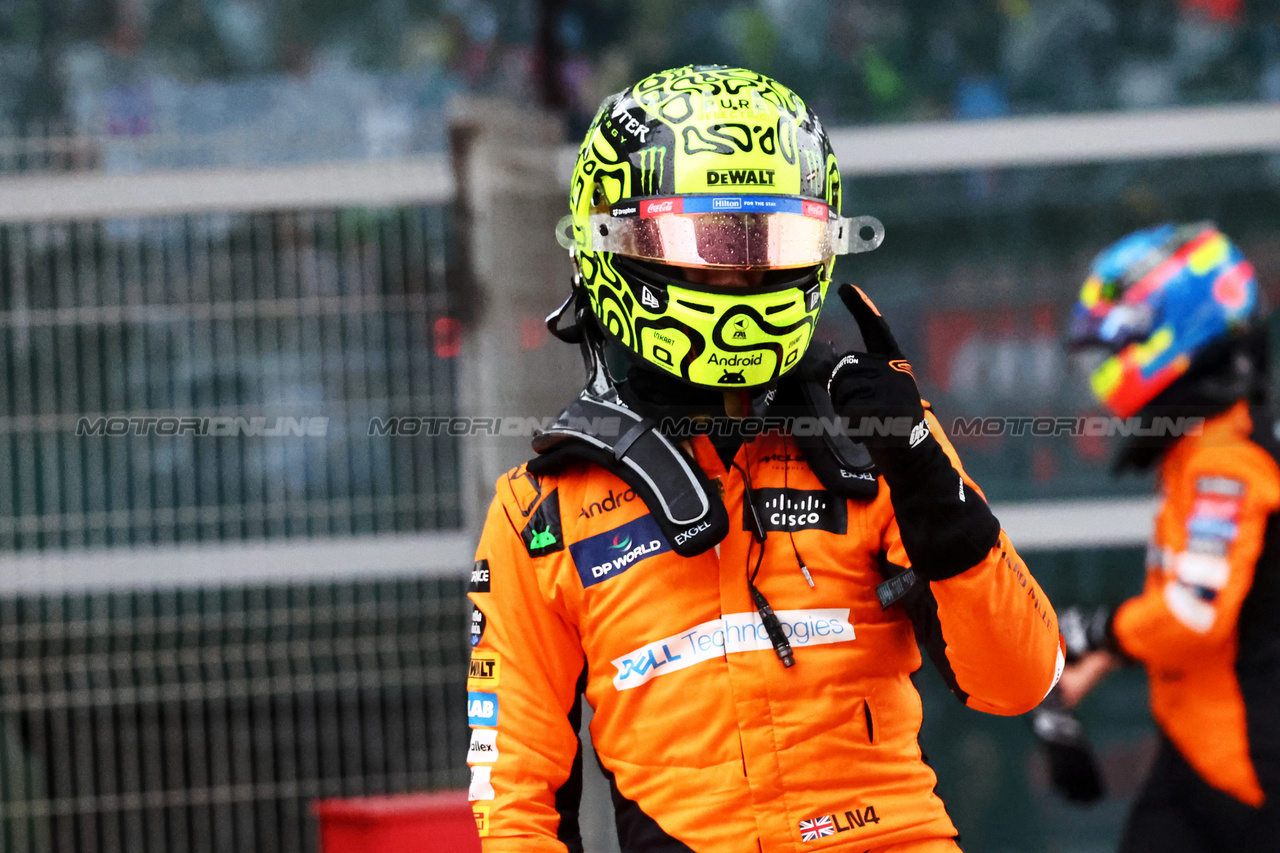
{"x":740,"y":177}
{"x":799,"y":509}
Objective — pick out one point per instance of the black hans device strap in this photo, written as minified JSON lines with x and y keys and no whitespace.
{"x":678,"y":494}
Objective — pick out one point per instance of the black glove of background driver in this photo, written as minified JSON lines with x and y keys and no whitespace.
{"x":1073,"y":767}
{"x":946,"y":525}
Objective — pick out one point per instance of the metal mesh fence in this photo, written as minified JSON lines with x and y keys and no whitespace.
{"x":309,"y":321}
{"x":208,"y":720}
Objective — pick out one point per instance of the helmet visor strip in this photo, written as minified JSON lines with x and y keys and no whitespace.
{"x":734,"y":232}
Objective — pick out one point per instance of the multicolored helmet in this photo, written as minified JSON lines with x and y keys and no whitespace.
{"x":711,"y":167}
{"x":1157,"y":300}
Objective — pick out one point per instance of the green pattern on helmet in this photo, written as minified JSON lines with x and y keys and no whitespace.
{"x":699,"y":131}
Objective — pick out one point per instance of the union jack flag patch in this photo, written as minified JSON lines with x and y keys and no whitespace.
{"x":819,"y":827}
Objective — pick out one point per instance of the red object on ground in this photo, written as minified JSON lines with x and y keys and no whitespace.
{"x":408,"y":823}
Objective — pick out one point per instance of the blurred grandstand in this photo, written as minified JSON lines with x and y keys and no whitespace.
{"x":340,"y":211}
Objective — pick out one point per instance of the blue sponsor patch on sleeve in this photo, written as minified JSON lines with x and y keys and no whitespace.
{"x":1207,"y":527}
{"x":611,"y":553}
{"x":482,"y":709}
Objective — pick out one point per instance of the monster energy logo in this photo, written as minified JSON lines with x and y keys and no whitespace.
{"x":653,"y":162}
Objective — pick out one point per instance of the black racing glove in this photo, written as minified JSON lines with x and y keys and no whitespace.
{"x":946,"y":525}
{"x":876,"y":389}
{"x":1084,"y":631}
{"x":1073,"y":768}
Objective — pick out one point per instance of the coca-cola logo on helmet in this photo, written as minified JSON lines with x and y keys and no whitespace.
{"x":660,"y":206}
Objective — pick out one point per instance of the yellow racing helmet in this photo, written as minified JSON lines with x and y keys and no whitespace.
{"x":710,"y":167}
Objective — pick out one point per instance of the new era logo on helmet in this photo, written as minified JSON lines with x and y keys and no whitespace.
{"x":647,"y":298}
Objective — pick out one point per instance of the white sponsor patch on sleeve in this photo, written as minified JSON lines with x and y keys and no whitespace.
{"x":1058,"y":667}
{"x":730,"y":634}
{"x":1202,"y":570}
{"x":1229,"y":486}
{"x":1188,"y":607}
{"x":484,"y":746}
{"x":481,"y":787}
{"x":1215,"y":547}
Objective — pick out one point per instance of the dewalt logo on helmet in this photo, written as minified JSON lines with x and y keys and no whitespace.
{"x":740,"y":177}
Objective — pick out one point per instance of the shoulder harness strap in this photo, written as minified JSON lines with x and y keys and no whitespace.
{"x":678,"y":494}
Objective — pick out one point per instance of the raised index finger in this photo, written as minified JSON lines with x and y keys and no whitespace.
{"x":871,"y":324}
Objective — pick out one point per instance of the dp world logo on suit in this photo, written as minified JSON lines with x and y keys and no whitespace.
{"x":606,"y":555}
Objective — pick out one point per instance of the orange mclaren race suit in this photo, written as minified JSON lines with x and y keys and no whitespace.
{"x":1207,"y":624}
{"x":708,"y":742}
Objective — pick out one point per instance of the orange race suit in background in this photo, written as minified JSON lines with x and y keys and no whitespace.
{"x":708,"y":742}
{"x":1207,"y":624}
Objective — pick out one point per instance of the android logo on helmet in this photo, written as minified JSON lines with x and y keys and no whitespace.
{"x":715,"y":168}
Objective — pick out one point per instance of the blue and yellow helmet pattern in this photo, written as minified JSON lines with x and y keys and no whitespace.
{"x":1156,"y":300}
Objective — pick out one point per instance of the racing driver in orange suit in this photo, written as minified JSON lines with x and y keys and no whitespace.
{"x":1175,"y":310}
{"x":736,"y":589}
